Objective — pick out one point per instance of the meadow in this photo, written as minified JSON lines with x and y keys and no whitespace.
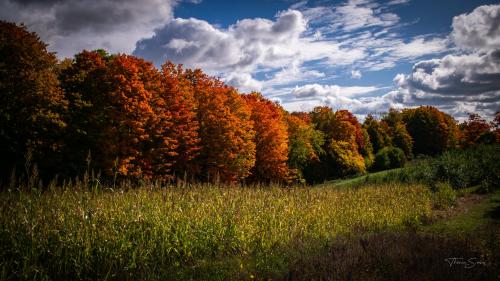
{"x":192,"y":232}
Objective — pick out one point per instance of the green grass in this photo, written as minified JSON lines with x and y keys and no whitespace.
{"x":476,"y":166}
{"x":371,"y":178}
{"x":480,"y":215}
{"x":197,"y":233}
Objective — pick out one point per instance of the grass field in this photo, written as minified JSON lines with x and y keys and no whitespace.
{"x":398,"y":224}
{"x":189,"y":233}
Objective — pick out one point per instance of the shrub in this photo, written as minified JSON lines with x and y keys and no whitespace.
{"x":389,"y":158}
{"x":443,"y":195}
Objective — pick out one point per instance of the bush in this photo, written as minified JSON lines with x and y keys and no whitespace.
{"x":389,"y":158}
{"x":443,"y":195}
{"x":476,"y":166}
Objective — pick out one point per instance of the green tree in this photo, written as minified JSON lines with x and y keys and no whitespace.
{"x":432,"y":131}
{"x":378,"y":135}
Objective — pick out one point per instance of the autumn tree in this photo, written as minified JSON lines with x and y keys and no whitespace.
{"x":133,"y":84}
{"x":495,"y":125}
{"x":377,"y":133}
{"x":432,"y":131}
{"x":393,"y":125}
{"x":83,"y":81}
{"x":177,"y":98}
{"x":225,"y":130}
{"x":367,"y":150}
{"x":474,"y":130}
{"x":119,"y":116}
{"x":271,"y":140}
{"x":304,"y":144}
{"x":343,"y":142}
{"x":32,"y":103}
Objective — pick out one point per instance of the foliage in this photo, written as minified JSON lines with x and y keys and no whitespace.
{"x":474,"y":130}
{"x":345,"y":159}
{"x":378,"y":136}
{"x":82,"y":80}
{"x":389,"y":158}
{"x":476,"y":166}
{"x":32,"y":103}
{"x":367,"y":150}
{"x":133,"y":85}
{"x":432,"y":131}
{"x":271,"y":140}
{"x":443,"y":195}
{"x":226,"y":130}
{"x":177,"y":99}
{"x":402,"y":139}
{"x":200,"y":232}
{"x":305,"y":144}
{"x":344,"y":141}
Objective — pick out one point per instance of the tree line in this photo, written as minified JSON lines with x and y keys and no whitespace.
{"x":121,"y":116}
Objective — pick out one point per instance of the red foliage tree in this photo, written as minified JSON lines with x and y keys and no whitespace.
{"x":226,"y":131}
{"x":473,"y":129}
{"x":177,"y":125}
{"x":271,"y":139}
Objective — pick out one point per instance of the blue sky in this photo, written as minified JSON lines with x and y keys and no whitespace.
{"x":363,"y":55}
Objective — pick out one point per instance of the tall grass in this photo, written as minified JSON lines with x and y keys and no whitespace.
{"x":197,"y":232}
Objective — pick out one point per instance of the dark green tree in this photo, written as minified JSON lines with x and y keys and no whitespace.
{"x":32,"y":104}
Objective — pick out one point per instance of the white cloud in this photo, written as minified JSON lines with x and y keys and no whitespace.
{"x":356,"y":74}
{"x":244,"y":82}
{"x":242,"y":47}
{"x":72,"y":25}
{"x":460,"y":83}
{"x":351,"y":15}
{"x":308,"y":96}
{"x":316,"y":90}
{"x":455,"y":83}
{"x":478,"y":30}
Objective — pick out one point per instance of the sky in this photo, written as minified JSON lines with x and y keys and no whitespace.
{"x":363,"y":55}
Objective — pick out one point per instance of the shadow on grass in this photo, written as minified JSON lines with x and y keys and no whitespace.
{"x":399,"y":256}
{"x":495,"y":212}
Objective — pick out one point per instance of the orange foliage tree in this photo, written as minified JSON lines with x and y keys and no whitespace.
{"x":133,"y":119}
{"x":177,"y":98}
{"x":473,"y":130}
{"x":225,"y":129}
{"x":133,"y":83}
{"x":271,"y":139}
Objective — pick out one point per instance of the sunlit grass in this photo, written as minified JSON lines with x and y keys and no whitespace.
{"x":188,"y":233}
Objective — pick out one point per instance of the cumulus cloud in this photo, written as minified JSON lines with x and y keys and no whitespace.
{"x":455,"y":82}
{"x":243,"y":81}
{"x":460,"y":83}
{"x":247,"y":45}
{"x":353,"y":98}
{"x":478,"y":30}
{"x":72,"y":25}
